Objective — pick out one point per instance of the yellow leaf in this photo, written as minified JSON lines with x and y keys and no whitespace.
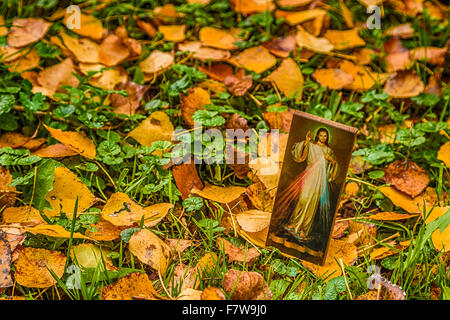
{"x":444,"y":153}
{"x":288,"y":78}
{"x":173,"y":33}
{"x":76,"y":141}
{"x":307,"y":40}
{"x":66,"y":188}
{"x":344,"y":39}
{"x":55,"y":230}
{"x":24,"y":215}
{"x":411,"y":205}
{"x":87,"y":255}
{"x":132,"y":286}
{"x":296,"y":17}
{"x":390,"y":216}
{"x":220,"y":194}
{"x":156,"y":127}
{"x":257,"y":59}
{"x":253,"y":220}
{"x":108,"y":79}
{"x":441,"y":240}
{"x":150,"y":249}
{"x":156,"y":61}
{"x":120,"y":210}
{"x":216,"y":38}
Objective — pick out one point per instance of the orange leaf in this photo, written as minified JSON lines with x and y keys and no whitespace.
{"x":26,"y":31}
{"x":156,"y":127}
{"x":344,"y":39}
{"x":90,"y":26}
{"x":390,"y":216}
{"x":83,"y":49}
{"x":203,"y":53}
{"x":173,"y":33}
{"x":54,"y":230}
{"x":404,"y":84}
{"x":192,"y":102}
{"x":217,"y":38}
{"x":156,"y":61}
{"x":288,"y":78}
{"x":112,"y":51}
{"x":76,"y":141}
{"x":444,"y":153}
{"x":133,"y":285}
{"x":57,"y":150}
{"x":256,"y":59}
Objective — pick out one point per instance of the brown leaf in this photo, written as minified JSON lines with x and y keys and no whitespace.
{"x":83,"y":49}
{"x":404,"y":31}
{"x":244,"y":285}
{"x":31,"y":268}
{"x":238,"y":84}
{"x":279,"y":120}
{"x":156,"y":62}
{"x":129,"y":104}
{"x":52,"y":78}
{"x":404,"y":84}
{"x":178,"y":245}
{"x":257,"y":59}
{"x":361,"y":234}
{"x":192,"y":102}
{"x":288,"y":78}
{"x":77,"y":141}
{"x":431,"y":55}
{"x":397,"y":56}
{"x":281,"y":47}
{"x":26,"y":31}
{"x":150,"y":249}
{"x":147,"y":27}
{"x":253,"y":220}
{"x":184,"y":277}
{"x":186,"y":178}
{"x":339,"y":229}
{"x":407,"y":177}
{"x":113,"y":51}
{"x":17,"y":140}
{"x":58,"y":150}
{"x":133,"y":285}
{"x":5,"y":262}
{"x":217,"y":71}
{"x":386,"y":251}
{"x":237,"y":254}
{"x":157,"y":127}
{"x":7,"y":193}
{"x":203,"y":53}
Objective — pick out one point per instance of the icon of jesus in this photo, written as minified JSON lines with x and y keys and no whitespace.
{"x":310,"y":190}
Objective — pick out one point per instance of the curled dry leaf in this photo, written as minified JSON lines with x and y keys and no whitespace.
{"x":238,"y":84}
{"x":281,"y":47}
{"x":90,"y":26}
{"x":334,"y":79}
{"x":431,"y":55}
{"x":339,"y":229}
{"x":66,"y":188}
{"x":52,"y":78}
{"x":112,"y":51}
{"x":203,"y":53}
{"x":55,"y":230}
{"x":120,"y":210}
{"x":58,"y":150}
{"x":244,"y":285}
{"x":344,"y":39}
{"x":83,"y":49}
{"x":257,"y":59}
{"x":31,"y":268}
{"x":237,"y":254}
{"x":150,"y":249}
{"x":156,"y":62}
{"x":157,"y":127}
{"x":212,"y":293}
{"x":173,"y":33}
{"x":444,"y":153}
{"x":288,"y":78}
{"x":440,"y":238}
{"x":390,"y":216}
{"x":7,"y":193}
{"x":217,"y":38}
{"x":25,"y":215}
{"x":26,"y":31}
{"x":407,"y":177}
{"x":5,"y":262}
{"x":192,"y":102}
{"x":404,"y":84}
{"x":338,"y":249}
{"x":307,"y":40}
{"x":133,"y":285}
{"x":77,"y":141}
{"x":186,"y":178}
{"x":87,"y":255}
{"x":220,"y":194}
{"x":129,"y":104}
{"x":104,"y":231}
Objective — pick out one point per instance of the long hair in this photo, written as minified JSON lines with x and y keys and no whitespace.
{"x":317,"y":135}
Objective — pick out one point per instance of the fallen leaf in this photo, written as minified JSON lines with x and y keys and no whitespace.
{"x":296,"y":17}
{"x":279,"y":120}
{"x":5,"y":262}
{"x":31,"y":268}
{"x":190,"y":294}
{"x":109,"y":79}
{"x":252,"y":6}
{"x":203,"y":53}
{"x":244,"y":285}
{"x":173,"y":33}
{"x":55,"y":230}
{"x":120,"y":210}
{"x":217,"y":71}
{"x":247,"y":256}
{"x":89,"y":26}
{"x":407,"y":177}
{"x":361,"y":234}
{"x":390,"y":216}
{"x":217,"y":38}
{"x":77,"y":141}
{"x":333,"y":79}
{"x":212,"y":293}
{"x":364,"y":55}
{"x":186,"y":178}
{"x":363,"y":78}
{"x":112,"y":51}
{"x":222,"y":195}
{"x":386,"y":251}
{"x":308,"y":41}
{"x":87,"y":255}
{"x":288,"y":78}
{"x":192,"y":102}
{"x":129,"y":104}
{"x":337,"y":249}
{"x":238,"y":84}
{"x":26,"y":62}
{"x":339,"y":229}
{"x":156,"y":62}
{"x":257,"y":59}
{"x":58,"y":150}
{"x":404,"y":84}
{"x":157,"y":127}
{"x":440,"y":238}
{"x":178,"y":245}
{"x":411,"y":205}
{"x":253,"y":220}
{"x":83,"y":49}
{"x":150,"y":249}
{"x":344,"y":39}
{"x":184,"y":277}
{"x":431,"y":55}
{"x":7,"y":192}
{"x":17,"y":140}
{"x":133,"y":285}
{"x":293,"y":3}
{"x":206,"y":264}
{"x":52,"y":78}
{"x":3,"y":28}
{"x":397,"y":56}
{"x":444,"y":153}
{"x":388,"y":291}
{"x":25,"y":215}
{"x":404,"y":31}
{"x":434,"y":84}
{"x":281,"y":47}
{"x":104,"y":231}
{"x":26,"y":31}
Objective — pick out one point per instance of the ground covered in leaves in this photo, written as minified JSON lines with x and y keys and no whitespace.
{"x":93,"y":207}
